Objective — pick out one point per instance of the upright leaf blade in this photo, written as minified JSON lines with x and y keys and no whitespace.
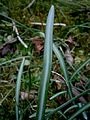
{"x":47,"y":66}
{"x":18,"y":84}
{"x":63,"y":67}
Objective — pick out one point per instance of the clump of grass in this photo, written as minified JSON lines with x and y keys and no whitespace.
{"x":72,"y":107}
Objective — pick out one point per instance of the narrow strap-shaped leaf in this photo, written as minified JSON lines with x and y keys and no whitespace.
{"x":46,"y":67}
{"x":63,"y":67}
{"x":18,"y":85}
{"x":70,"y":108}
{"x":76,"y":72}
{"x":68,"y":102}
{"x":80,"y":111}
{"x":58,"y":94}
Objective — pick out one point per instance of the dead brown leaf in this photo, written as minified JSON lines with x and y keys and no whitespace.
{"x":70,"y":40}
{"x":68,"y":56}
{"x":38,"y":42}
{"x":29,"y":95}
{"x":76,"y":92}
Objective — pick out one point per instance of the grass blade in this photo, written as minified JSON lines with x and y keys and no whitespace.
{"x":62,"y":64}
{"x":46,"y":67}
{"x":18,"y":85}
{"x":21,"y":25}
{"x":84,"y":114}
{"x":6,"y":96}
{"x":76,"y":72}
{"x":13,"y":60}
{"x":70,"y":108}
{"x":80,"y":111}
{"x":68,"y":102}
{"x":57,"y":94}
{"x":62,"y":114}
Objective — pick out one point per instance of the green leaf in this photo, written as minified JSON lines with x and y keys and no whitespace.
{"x":80,"y":111}
{"x":47,"y":63}
{"x":77,"y":71}
{"x":70,"y":108}
{"x":18,"y":85}
{"x":63,"y":67}
{"x":57,"y":94}
{"x":68,"y":102}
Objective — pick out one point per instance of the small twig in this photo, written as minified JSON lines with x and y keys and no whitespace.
{"x":55,"y":24}
{"x":59,"y":75}
{"x":17,"y":33}
{"x":3,"y":81}
{"x":30,"y":4}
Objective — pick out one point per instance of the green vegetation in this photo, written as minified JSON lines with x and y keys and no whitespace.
{"x":45,"y":60}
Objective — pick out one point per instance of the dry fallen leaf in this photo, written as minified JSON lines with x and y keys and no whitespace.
{"x":68,"y":56}
{"x":38,"y":42}
{"x":29,"y":95}
{"x":76,"y":93}
{"x":6,"y":49}
{"x":70,"y":40}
